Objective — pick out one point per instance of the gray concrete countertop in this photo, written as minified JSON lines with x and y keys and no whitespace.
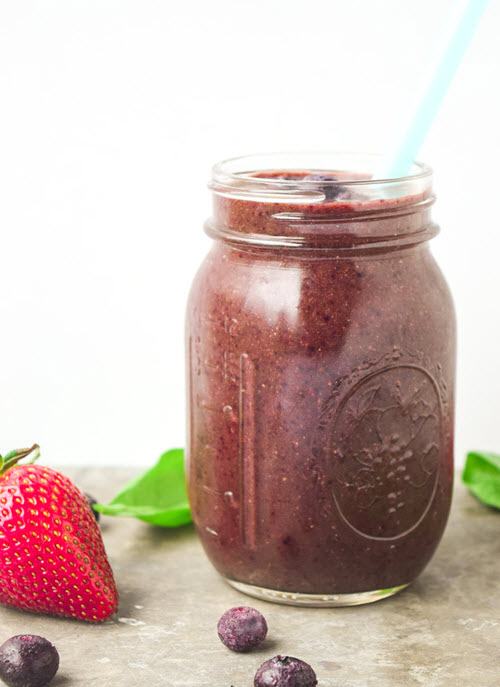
{"x":444,"y":630}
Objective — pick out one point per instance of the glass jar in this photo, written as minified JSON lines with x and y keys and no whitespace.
{"x":321,"y":361}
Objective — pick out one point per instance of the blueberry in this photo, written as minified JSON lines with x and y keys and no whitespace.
{"x":242,"y":628}
{"x":331,"y":191}
{"x":320,"y":177}
{"x":92,"y":501}
{"x":285,"y":671}
{"x":28,"y":661}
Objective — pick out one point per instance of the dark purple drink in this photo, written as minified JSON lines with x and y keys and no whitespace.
{"x":321,"y":359}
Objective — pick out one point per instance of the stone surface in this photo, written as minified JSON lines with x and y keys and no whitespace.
{"x":444,"y":630}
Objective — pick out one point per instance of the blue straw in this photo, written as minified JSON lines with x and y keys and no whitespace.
{"x":427,"y":109}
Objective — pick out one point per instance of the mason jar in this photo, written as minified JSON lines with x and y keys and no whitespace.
{"x":321,"y":362}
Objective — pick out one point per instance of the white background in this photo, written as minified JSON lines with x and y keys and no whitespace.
{"x":111,"y":114}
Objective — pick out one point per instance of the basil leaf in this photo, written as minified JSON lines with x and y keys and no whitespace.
{"x":482,"y":475}
{"x":158,"y":496}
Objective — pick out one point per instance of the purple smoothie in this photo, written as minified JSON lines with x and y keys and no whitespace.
{"x":321,"y":354}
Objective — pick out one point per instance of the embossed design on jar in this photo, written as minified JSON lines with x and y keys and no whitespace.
{"x":247,"y":459}
{"x":385,"y":439}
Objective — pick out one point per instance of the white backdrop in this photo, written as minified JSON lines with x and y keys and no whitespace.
{"x":111,"y":115}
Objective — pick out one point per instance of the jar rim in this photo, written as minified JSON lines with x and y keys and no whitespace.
{"x":245,"y":167}
{"x":318,"y":199}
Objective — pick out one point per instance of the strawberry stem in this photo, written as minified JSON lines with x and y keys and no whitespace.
{"x":13,"y":457}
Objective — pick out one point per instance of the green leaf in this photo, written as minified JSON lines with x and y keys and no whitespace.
{"x":158,"y":496}
{"x":482,"y":475}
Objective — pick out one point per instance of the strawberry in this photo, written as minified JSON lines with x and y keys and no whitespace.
{"x":52,"y":557}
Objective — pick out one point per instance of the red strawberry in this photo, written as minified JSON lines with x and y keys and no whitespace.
{"x":52,"y":557}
